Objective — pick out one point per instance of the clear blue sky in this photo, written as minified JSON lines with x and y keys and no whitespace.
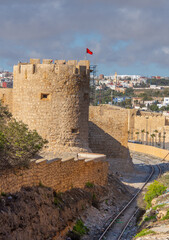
{"x":127,"y":37}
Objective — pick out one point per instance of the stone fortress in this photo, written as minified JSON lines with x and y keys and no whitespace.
{"x":53,"y":98}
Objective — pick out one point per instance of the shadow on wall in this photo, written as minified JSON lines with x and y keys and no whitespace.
{"x":102,"y":142}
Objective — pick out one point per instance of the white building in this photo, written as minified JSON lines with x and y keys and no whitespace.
{"x":155,"y":87}
{"x":148,"y":103}
{"x":166,"y":101}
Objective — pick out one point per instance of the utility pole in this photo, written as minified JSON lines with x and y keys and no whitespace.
{"x":100,"y":97}
{"x":93,"y":69}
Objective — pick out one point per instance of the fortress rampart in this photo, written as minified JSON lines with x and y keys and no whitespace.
{"x":149,"y":122}
{"x":108,"y":130}
{"x":108,"y":134}
{"x":59,"y":174}
{"x":53,"y":98}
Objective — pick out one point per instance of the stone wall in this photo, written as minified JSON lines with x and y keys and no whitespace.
{"x":60,"y":175}
{"x":149,"y":122}
{"x":6,"y":97}
{"x":108,"y":130}
{"x":53,"y":98}
{"x":149,"y":150}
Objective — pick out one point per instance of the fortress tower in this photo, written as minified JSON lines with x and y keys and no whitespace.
{"x":53,"y":98}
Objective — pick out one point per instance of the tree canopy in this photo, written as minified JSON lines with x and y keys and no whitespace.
{"x":18,"y":144}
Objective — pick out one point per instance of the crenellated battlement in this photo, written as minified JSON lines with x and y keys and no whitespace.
{"x":58,"y":66}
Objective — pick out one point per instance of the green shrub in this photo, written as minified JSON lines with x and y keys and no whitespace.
{"x":89,"y":185}
{"x":57,"y":202}
{"x":18,"y":144}
{"x":3,"y":194}
{"x":149,"y":218}
{"x":80,"y":228}
{"x":158,"y":206}
{"x":58,"y":199}
{"x":144,"y":232}
{"x":154,"y":190}
{"x":2,"y":140}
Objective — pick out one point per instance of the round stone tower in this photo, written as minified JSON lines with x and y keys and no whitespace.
{"x":53,"y":98}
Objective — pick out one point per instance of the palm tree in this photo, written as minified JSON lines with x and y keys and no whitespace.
{"x":147,"y":137}
{"x":142,"y":135}
{"x":156,"y":131}
{"x":153,"y":135}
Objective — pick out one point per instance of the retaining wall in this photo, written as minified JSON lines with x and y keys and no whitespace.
{"x":58,"y":174}
{"x":150,"y":150}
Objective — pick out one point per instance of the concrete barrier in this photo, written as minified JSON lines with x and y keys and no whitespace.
{"x":150,"y":150}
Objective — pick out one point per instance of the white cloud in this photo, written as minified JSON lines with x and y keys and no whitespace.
{"x":48,"y":28}
{"x":165,"y":50}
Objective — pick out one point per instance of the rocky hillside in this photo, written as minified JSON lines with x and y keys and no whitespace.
{"x":39,"y":213}
{"x":155,"y":222}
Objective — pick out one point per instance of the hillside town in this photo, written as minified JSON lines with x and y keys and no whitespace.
{"x":131,"y":91}
{"x":6,"y":79}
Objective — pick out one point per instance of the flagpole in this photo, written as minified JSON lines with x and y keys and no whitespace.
{"x":85,"y":57}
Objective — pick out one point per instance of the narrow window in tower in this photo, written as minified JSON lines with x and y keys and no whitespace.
{"x":45,"y":96}
{"x":34,"y":68}
{"x":75,"y":130}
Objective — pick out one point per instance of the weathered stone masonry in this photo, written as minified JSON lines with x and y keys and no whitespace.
{"x":60,"y":175}
{"x":6,"y":97}
{"x":54,"y":100}
{"x":108,"y":130}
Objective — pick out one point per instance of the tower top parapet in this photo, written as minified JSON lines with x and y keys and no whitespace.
{"x":74,"y":66}
{"x":58,"y":62}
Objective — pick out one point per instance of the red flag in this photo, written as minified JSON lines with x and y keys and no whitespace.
{"x":88,"y":51}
